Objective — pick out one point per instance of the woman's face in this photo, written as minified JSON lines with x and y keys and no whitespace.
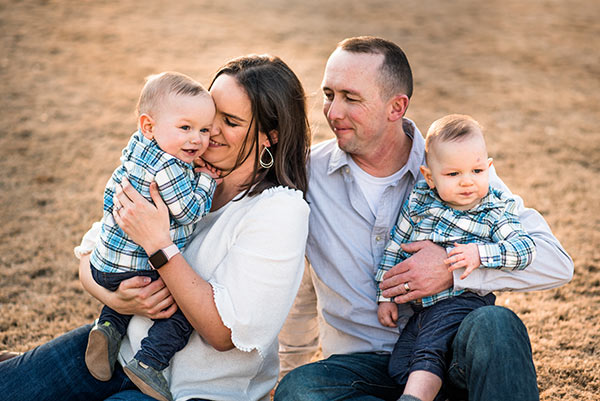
{"x":231,"y":125}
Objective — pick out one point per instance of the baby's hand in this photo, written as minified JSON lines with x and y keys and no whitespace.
{"x":204,"y":167}
{"x":463,"y":255}
{"x":387,"y":313}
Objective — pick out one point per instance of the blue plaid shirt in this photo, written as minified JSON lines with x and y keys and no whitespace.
{"x":187,"y":194}
{"x":493,"y":224}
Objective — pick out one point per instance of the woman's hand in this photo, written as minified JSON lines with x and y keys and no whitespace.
{"x":135,"y":296}
{"x":146,"y":224}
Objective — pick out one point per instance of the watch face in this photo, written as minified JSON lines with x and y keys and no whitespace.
{"x":158,"y":259}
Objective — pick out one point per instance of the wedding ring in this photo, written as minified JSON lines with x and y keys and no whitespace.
{"x":118,"y":208}
{"x":406,"y":287}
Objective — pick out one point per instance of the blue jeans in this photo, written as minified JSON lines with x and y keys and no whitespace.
{"x":56,"y":371}
{"x":165,"y":337}
{"x":491,"y":358}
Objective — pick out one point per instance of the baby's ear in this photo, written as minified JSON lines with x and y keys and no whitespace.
{"x":146,"y":124}
{"x":428,"y":176}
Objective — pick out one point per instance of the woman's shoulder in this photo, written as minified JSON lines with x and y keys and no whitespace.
{"x":279,"y":197}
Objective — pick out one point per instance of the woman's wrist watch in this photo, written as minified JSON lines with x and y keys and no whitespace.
{"x":159,"y":258}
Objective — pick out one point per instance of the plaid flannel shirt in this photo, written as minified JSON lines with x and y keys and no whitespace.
{"x":493,"y":224}
{"x":187,"y":194}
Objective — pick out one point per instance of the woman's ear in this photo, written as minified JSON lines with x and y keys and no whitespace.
{"x":146,"y":124}
{"x":428,"y":176}
{"x":272,"y":138}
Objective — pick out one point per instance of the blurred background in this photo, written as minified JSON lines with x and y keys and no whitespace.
{"x":71,"y":72}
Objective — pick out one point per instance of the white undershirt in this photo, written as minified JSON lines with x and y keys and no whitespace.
{"x":372,"y":187}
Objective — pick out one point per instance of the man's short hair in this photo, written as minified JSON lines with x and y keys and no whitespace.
{"x":452,"y":127}
{"x":159,"y":86}
{"x":395,"y":73}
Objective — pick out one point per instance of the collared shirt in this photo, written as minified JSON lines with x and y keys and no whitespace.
{"x":188,"y":196}
{"x":492,"y":224}
{"x":346,"y":243}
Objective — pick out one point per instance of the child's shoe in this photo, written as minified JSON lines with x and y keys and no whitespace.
{"x":149,"y":380}
{"x":102,"y":350}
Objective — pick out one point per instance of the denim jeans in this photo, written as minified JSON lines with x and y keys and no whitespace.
{"x":165,"y":337}
{"x":491,"y":360}
{"x":57,"y":371}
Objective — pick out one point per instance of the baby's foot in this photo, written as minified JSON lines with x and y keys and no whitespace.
{"x":149,"y":380}
{"x":102,"y":350}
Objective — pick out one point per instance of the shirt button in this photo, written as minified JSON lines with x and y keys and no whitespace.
{"x":347,"y":170}
{"x":378,"y":238}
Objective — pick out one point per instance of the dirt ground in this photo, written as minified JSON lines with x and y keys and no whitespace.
{"x":70,"y":73}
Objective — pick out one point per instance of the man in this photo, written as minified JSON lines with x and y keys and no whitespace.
{"x":358,"y":183}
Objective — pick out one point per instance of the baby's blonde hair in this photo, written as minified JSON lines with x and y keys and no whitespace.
{"x":450,"y":128}
{"x":159,"y":86}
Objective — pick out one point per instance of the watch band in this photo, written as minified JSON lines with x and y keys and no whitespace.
{"x":162,"y":256}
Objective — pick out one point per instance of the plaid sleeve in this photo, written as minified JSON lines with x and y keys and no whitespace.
{"x":188,"y":197}
{"x":512,"y":248}
{"x":392,"y":255}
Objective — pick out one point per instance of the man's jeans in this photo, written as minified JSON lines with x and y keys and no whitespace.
{"x":491,"y":359}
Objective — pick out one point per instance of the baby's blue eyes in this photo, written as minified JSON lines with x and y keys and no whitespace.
{"x":185,"y":127}
{"x":205,"y":130}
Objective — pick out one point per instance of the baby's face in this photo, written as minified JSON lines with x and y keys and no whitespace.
{"x":459,"y":170}
{"x":182,"y":125}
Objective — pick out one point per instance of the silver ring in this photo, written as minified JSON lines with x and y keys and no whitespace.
{"x":406,"y":287}
{"x":118,"y":208}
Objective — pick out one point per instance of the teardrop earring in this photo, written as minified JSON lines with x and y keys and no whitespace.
{"x":269,"y":164}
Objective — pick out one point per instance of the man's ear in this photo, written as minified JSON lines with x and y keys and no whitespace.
{"x":398,"y":105}
{"x":146,"y":124}
{"x":428,"y":176}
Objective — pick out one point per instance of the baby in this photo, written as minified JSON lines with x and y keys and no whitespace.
{"x":174,"y":114}
{"x":454,"y":207}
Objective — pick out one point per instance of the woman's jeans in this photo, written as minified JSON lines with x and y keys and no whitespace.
{"x":491,"y":360}
{"x":57,"y":371}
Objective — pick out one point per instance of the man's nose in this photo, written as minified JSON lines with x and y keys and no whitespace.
{"x":335,"y":110}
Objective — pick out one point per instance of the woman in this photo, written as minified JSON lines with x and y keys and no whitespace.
{"x":237,"y":277}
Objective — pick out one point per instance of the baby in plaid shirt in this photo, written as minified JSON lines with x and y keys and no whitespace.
{"x":175,"y":114}
{"x":454,"y":207}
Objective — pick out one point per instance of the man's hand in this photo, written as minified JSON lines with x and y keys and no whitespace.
{"x":425,"y":273}
{"x":464,"y":255}
{"x":387,"y":313}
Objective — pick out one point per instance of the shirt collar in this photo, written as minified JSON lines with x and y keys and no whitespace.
{"x":416,"y":157}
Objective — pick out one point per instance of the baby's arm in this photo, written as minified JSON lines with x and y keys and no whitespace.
{"x":187,"y":199}
{"x":511,"y":247}
{"x":387,"y":313}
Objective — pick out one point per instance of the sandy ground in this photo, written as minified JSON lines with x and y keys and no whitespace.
{"x":70,"y":73}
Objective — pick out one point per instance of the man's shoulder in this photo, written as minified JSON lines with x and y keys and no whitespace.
{"x":320,"y":154}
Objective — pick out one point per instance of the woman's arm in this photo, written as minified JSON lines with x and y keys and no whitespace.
{"x":148,"y":226}
{"x":135,"y":296}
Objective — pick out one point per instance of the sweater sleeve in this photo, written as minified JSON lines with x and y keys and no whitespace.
{"x":263,"y":269}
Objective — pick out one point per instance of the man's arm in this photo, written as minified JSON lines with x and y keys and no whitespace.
{"x":551,"y":268}
{"x":427,"y":275}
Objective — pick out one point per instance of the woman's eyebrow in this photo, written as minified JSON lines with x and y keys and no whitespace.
{"x":234,"y":117}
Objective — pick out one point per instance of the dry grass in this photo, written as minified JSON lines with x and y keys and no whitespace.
{"x":70,"y":73}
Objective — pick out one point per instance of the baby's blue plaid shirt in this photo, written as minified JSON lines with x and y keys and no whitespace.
{"x":493,"y":224}
{"x":187,"y":194}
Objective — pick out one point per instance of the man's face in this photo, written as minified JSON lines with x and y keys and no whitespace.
{"x":352,"y":101}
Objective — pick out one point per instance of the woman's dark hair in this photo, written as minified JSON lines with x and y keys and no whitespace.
{"x":278,"y":103}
